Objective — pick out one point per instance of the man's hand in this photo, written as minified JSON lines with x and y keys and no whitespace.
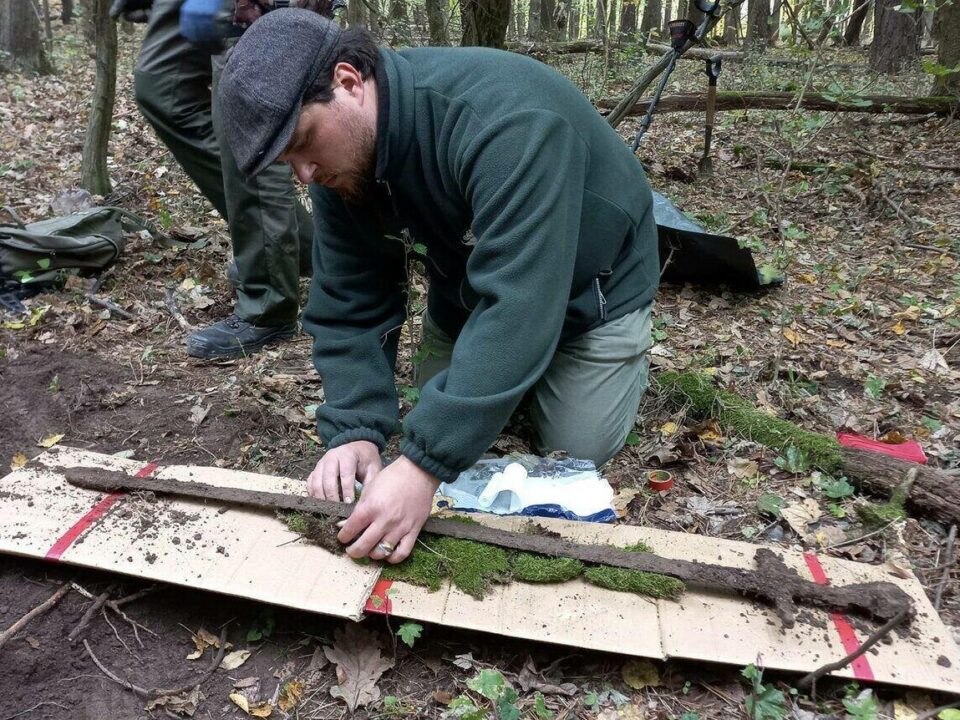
{"x":392,"y":509}
{"x":334,"y":476}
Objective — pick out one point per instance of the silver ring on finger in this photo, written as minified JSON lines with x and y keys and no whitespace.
{"x":385,"y":547}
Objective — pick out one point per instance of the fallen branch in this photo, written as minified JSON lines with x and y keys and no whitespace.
{"x":20,"y":624}
{"x":88,"y":615}
{"x":934,"y":494}
{"x":810,"y":680}
{"x":729,"y":100}
{"x":155,"y":693}
{"x":171,"y":304}
{"x":772,"y":582}
{"x":112,"y":307}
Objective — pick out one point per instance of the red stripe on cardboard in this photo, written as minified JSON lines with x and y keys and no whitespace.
{"x":92,"y":515}
{"x":379,"y":600}
{"x":848,"y":636}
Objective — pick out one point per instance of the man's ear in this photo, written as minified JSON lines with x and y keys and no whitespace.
{"x":348,"y":77}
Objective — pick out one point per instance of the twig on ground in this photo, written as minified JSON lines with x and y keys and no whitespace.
{"x":133,"y":597}
{"x":171,"y":304}
{"x":113,"y":627}
{"x":865,"y":536}
{"x":31,"y":709}
{"x":947,"y":567}
{"x":88,"y":615}
{"x":20,"y":624}
{"x":810,"y":680}
{"x":154,"y":693}
{"x":112,"y":307}
{"x":123,"y":683}
{"x":896,"y":208}
{"x":206,"y":676}
{"x":932,"y":248}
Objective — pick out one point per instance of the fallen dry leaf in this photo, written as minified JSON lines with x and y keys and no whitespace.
{"x":793,"y":336}
{"x":622,"y":500}
{"x":50,"y":440}
{"x":743,"y":469}
{"x":934,"y":361}
{"x":18,"y":461}
{"x":186,"y":703}
{"x":800,"y":514}
{"x":668,"y":428}
{"x":235,"y":659}
{"x":356,"y":654}
{"x":291,"y":695}
{"x":898,"y":328}
{"x":202,"y":639}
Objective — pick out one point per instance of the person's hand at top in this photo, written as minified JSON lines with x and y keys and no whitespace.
{"x":395,"y":503}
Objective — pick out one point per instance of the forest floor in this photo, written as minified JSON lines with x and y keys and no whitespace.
{"x":860,"y":212}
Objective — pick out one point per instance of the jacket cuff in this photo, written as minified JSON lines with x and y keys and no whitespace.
{"x":414,"y":453}
{"x":354,"y":434}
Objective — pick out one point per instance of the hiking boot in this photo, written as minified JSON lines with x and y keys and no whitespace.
{"x":232,"y":336}
{"x":233,"y":274}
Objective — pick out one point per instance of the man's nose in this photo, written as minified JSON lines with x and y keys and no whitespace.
{"x":304,"y":171}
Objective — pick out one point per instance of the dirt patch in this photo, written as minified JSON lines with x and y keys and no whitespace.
{"x":104,"y":406}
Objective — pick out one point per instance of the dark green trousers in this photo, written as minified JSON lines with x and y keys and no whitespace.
{"x":270,"y":229}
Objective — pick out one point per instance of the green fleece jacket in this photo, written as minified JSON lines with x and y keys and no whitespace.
{"x":538,"y":226}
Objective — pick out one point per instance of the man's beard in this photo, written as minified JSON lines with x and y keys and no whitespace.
{"x":355,"y":186}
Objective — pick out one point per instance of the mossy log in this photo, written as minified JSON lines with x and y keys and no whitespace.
{"x":697,"y":102}
{"x":934,"y":494}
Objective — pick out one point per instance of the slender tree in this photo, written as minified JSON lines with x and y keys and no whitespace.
{"x":485,"y":22}
{"x":652,"y":17}
{"x":896,"y":39}
{"x":93,"y":169}
{"x":758,"y":19}
{"x":549,"y":29}
{"x":20,"y":35}
{"x":66,"y":12}
{"x":533,"y":20}
{"x":946,"y":30}
{"x":628,"y":18}
{"x":731,"y":22}
{"x":851,"y":35}
{"x":436,"y":21}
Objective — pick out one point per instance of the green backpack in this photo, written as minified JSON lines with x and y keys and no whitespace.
{"x":42,"y":253}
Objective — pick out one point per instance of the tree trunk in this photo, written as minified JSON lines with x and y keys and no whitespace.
{"x":94,"y":175}
{"x":851,"y":36}
{"x":694,"y":14}
{"x":398,"y":10}
{"x":758,"y":27}
{"x":66,"y":12}
{"x":437,"y":21}
{"x":533,"y":20}
{"x":652,"y":18}
{"x":548,"y":20}
{"x":600,"y":19}
{"x":730,"y":22}
{"x":20,"y":35}
{"x":358,"y":15}
{"x":896,"y":40}
{"x":774,"y":23}
{"x":946,"y":30}
{"x":628,"y":19}
{"x":485,"y":22}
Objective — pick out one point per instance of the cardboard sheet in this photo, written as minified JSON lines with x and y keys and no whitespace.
{"x":250,"y":554}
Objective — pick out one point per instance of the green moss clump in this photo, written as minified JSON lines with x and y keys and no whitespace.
{"x":638,"y":547}
{"x":422,"y":567}
{"x":735,"y":413}
{"x":471,"y":566}
{"x":635,"y":581}
{"x":317,"y":529}
{"x":528,"y":567}
{"x":875,"y":515}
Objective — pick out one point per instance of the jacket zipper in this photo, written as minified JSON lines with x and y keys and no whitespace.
{"x":601,"y":300}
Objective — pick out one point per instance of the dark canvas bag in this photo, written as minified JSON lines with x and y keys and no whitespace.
{"x":88,"y":242}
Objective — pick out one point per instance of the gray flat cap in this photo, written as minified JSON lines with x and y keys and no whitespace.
{"x":262,"y":86}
